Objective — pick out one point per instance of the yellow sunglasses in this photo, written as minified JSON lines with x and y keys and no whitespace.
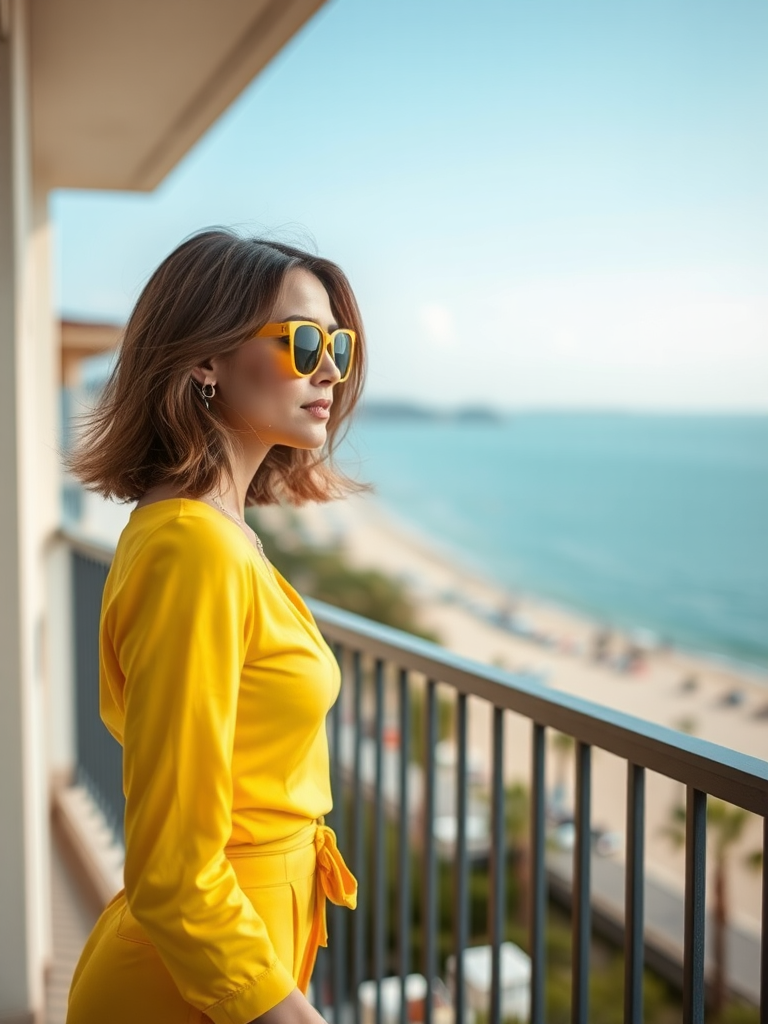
{"x":307,"y":343}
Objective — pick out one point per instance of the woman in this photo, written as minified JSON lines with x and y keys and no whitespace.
{"x":239,"y":364}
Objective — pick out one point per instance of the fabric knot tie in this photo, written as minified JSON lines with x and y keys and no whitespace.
{"x":334,"y":881}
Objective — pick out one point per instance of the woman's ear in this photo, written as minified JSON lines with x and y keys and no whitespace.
{"x":203,"y":373}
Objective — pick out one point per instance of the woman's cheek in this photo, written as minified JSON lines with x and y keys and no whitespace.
{"x":282,"y":364}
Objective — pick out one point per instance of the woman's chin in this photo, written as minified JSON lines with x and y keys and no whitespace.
{"x":309,"y":436}
{"x":308,"y":439}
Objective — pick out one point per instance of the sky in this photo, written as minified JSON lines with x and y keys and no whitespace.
{"x":540,"y":204}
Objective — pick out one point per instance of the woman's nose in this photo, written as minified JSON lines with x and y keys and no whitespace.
{"x":328,"y":371}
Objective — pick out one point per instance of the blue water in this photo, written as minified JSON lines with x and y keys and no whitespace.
{"x":656,"y":522}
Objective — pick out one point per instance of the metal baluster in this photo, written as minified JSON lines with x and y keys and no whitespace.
{"x":320,"y":981}
{"x":379,"y":848}
{"x":582,"y":924}
{"x":99,"y":756}
{"x":498,"y":864}
{"x":634,"y":883}
{"x":338,"y":919}
{"x":538,"y":897}
{"x":83,"y":695}
{"x":404,"y":861}
{"x":461,"y":861}
{"x":430,"y":861}
{"x":695,"y":883}
{"x":358,"y":850}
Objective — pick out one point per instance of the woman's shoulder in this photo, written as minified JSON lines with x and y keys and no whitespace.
{"x":181,"y":531}
{"x":178,"y":560}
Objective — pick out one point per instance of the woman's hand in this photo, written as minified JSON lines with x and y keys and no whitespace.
{"x":294,"y":1009}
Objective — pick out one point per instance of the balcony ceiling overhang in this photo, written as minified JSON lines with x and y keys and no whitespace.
{"x":121,"y":90}
{"x":79,"y":340}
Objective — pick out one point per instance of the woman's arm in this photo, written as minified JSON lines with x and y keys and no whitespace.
{"x":294,"y":1009}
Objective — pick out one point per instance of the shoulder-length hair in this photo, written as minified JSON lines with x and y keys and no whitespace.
{"x":150,"y":425}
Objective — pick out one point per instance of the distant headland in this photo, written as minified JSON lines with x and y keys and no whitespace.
{"x":412,"y":411}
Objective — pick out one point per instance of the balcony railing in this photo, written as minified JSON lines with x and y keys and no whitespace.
{"x":386,"y":787}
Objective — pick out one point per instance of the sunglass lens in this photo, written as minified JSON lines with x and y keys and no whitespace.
{"x":307,"y":346}
{"x":342,"y":351}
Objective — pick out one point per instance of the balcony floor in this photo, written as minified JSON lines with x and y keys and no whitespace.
{"x":72,"y":923}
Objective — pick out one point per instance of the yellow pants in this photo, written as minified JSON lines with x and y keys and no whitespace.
{"x":121,"y":979}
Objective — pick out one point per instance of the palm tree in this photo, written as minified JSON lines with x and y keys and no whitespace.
{"x":725,"y":827}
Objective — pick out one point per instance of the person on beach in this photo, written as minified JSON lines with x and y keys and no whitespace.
{"x":240,"y":363}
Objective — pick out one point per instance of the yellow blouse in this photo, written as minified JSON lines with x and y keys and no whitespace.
{"x":216,"y":681}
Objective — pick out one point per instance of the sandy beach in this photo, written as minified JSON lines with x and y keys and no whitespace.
{"x":709,"y":699}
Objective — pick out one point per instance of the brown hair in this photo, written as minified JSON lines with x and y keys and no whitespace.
{"x":150,"y":426}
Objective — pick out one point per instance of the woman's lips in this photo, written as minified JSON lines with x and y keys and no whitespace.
{"x":320,"y":410}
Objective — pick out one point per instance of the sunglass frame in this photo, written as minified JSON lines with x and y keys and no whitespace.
{"x":288,"y":328}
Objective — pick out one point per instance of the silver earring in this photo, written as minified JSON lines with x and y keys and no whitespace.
{"x":207,"y":391}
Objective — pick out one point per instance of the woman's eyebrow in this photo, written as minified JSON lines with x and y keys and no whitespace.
{"x":330,"y":328}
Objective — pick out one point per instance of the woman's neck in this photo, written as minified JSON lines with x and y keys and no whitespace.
{"x":231,"y":492}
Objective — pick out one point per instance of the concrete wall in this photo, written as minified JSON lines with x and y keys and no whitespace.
{"x":28,"y":515}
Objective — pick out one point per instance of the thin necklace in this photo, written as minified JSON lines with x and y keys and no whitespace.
{"x":241,"y":523}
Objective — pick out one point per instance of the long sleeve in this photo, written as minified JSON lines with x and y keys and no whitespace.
{"x":179,"y":634}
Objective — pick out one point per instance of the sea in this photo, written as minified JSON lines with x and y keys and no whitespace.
{"x":652,"y":523}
